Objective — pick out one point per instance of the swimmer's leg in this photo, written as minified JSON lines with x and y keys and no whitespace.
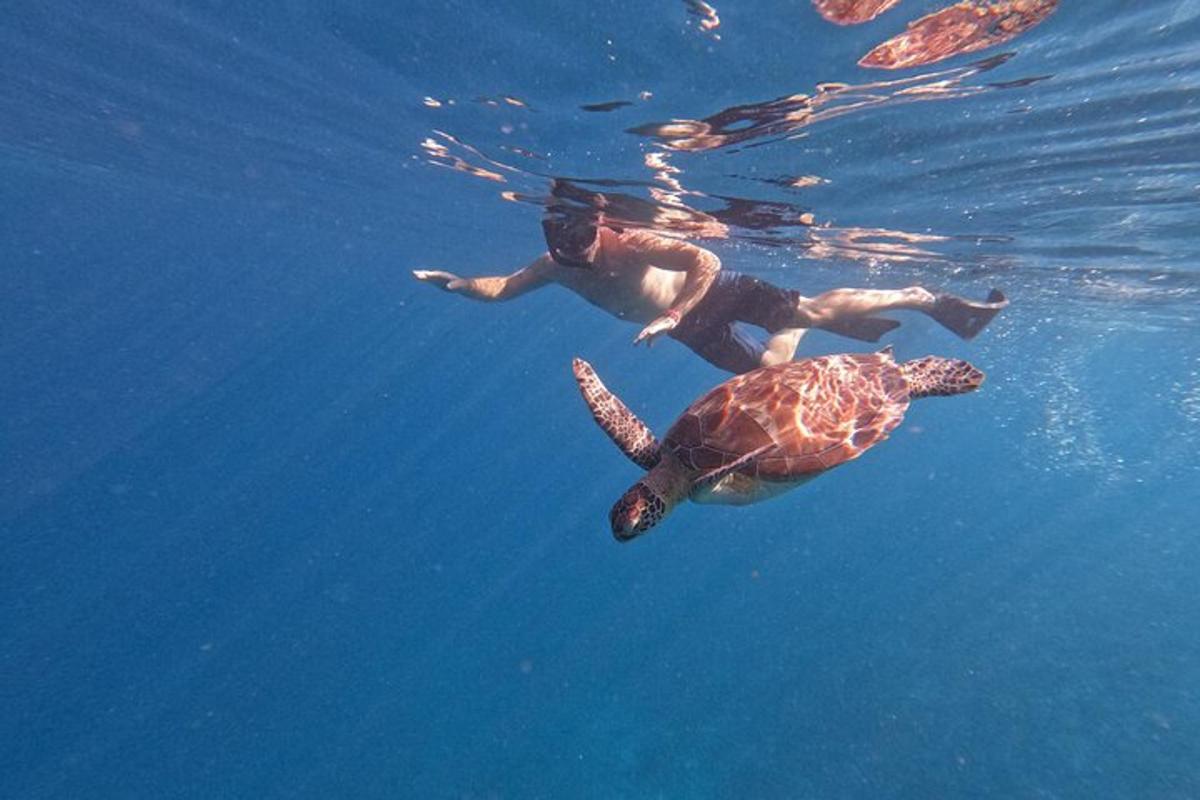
{"x":726,"y":347}
{"x":779,"y":310}
{"x":865,"y":329}
{"x":781,"y":347}
{"x":835,"y":308}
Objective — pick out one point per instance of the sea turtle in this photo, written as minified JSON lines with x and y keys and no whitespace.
{"x":763,"y":432}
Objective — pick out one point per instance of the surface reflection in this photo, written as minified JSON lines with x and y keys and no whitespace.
{"x":784,"y":116}
{"x":852,"y":12}
{"x":705,"y":15}
{"x":961,"y":28}
{"x":666,"y":203}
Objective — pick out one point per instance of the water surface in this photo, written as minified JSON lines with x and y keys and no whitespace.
{"x":281,"y":522}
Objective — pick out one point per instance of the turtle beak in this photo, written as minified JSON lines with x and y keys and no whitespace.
{"x":625,"y":530}
{"x":624,"y":518}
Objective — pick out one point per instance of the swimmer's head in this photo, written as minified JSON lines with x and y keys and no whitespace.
{"x":572,"y":240}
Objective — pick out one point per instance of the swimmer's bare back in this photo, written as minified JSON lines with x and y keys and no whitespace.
{"x":634,"y":275}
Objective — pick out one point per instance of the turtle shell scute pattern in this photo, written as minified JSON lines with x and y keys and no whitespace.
{"x":811,"y":415}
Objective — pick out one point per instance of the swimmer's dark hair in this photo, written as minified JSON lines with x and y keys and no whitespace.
{"x":568,"y":236}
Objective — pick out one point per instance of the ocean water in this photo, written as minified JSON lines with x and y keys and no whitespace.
{"x":279,"y":521}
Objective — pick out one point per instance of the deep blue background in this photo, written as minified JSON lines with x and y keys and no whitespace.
{"x":277,"y":521}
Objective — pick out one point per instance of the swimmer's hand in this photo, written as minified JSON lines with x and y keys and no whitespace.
{"x":447,"y":281}
{"x":659,"y":326}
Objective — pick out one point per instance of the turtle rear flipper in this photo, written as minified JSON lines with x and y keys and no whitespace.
{"x":935,"y":376}
{"x":711,"y":478}
{"x":627,"y":432}
{"x":965,"y":317}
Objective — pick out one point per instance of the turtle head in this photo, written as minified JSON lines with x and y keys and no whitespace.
{"x":638,"y":510}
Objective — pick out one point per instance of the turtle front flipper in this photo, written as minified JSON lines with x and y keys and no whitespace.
{"x":628,"y":432}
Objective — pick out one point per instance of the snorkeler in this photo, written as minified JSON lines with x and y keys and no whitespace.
{"x":674,"y":287}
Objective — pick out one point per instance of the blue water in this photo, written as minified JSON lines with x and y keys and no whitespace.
{"x":278,"y":521}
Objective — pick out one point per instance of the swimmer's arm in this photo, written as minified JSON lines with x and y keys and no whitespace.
{"x":492,"y":287}
{"x":701,"y":266}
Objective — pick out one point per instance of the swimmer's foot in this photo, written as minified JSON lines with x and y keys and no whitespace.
{"x":967,"y":317}
{"x":865,"y":329}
